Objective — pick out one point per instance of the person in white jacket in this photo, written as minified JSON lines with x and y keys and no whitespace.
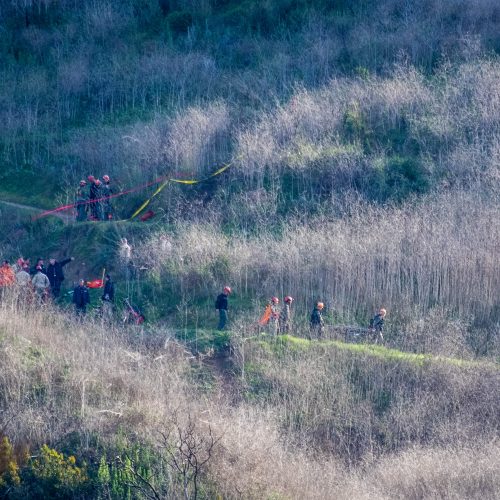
{"x":41,"y":284}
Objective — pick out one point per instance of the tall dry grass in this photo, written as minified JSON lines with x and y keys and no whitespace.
{"x":439,"y":254}
{"x":60,"y":379}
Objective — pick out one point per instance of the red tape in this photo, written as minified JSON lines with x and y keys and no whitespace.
{"x":62,"y":208}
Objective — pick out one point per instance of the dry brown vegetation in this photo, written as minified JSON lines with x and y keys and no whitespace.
{"x":432,"y":263}
{"x":364,"y":142}
{"x":301,"y":413}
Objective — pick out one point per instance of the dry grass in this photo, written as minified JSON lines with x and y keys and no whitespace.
{"x":432,"y":264}
{"x":313,"y":410}
{"x":455,"y":472}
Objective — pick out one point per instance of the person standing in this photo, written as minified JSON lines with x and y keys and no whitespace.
{"x":94,"y":195}
{"x":81,"y":298}
{"x":275,"y":316}
{"x":108,"y":298}
{"x":125,"y":255}
{"x":7,"y":277}
{"x":285,"y":318}
{"x":317,"y":322}
{"x":23,"y":284}
{"x":56,"y":275}
{"x":41,"y":284}
{"x":221,"y":305}
{"x":98,"y":198}
{"x":106,"y":202}
{"x":377,"y":325}
{"x":23,"y":278}
{"x":39,"y":264}
{"x":81,"y":204}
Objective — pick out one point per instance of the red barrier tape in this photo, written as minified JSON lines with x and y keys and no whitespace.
{"x":132,"y":190}
{"x":62,"y":208}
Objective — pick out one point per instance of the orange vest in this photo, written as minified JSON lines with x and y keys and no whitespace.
{"x":7,"y":276}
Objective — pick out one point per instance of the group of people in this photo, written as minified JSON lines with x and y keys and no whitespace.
{"x":43,"y":283}
{"x":279,"y":321}
{"x":38,"y":280}
{"x":93,"y":199}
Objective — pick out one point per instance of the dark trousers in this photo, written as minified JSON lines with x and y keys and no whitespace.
{"x":222,"y":319}
{"x":80,"y":312}
{"x":56,"y":289}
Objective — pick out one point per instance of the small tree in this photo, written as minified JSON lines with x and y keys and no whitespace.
{"x":188,"y":450}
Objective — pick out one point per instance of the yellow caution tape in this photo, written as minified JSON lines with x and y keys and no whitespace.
{"x":178,"y":181}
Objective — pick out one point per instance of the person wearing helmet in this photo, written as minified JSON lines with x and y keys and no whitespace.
{"x":317,"y":322}
{"x":106,"y":193}
{"x":275,"y":316}
{"x":285,"y":318}
{"x":99,"y":202}
{"x":377,"y":325}
{"x":221,"y":305}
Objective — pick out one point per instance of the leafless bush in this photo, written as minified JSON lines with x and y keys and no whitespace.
{"x":364,"y":405}
{"x":56,"y":369}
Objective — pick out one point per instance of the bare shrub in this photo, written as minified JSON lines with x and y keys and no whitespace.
{"x":255,"y":460}
{"x":437,"y":333}
{"x":57,"y":370}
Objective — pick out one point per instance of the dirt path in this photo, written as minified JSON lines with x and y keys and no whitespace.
{"x":65,"y":216}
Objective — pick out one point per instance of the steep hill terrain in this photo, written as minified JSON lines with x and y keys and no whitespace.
{"x":362,"y":146}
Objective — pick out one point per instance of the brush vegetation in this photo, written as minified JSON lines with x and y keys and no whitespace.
{"x":363,"y":140}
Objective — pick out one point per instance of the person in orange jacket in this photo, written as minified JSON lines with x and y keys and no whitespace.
{"x":7,"y":275}
{"x":271,"y":316}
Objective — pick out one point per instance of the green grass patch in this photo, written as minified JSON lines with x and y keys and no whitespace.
{"x":202,"y":341}
{"x":297,"y":344}
{"x":28,"y":188}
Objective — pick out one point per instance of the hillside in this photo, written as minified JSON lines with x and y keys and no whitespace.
{"x":310,"y":408}
{"x":360,"y":142}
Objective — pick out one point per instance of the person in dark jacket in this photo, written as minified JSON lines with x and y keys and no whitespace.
{"x":108,"y":297}
{"x":56,"y":275}
{"x":108,"y":293}
{"x":81,"y":202}
{"x":221,"y":305}
{"x":317,"y":322}
{"x":377,"y":324}
{"x":94,"y":196}
{"x":81,"y":298}
{"x":106,"y":193}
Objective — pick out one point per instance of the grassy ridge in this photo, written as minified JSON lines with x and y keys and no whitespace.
{"x":351,"y":404}
{"x":378,"y":351}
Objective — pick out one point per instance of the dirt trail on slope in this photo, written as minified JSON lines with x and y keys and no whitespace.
{"x":61,"y":215}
